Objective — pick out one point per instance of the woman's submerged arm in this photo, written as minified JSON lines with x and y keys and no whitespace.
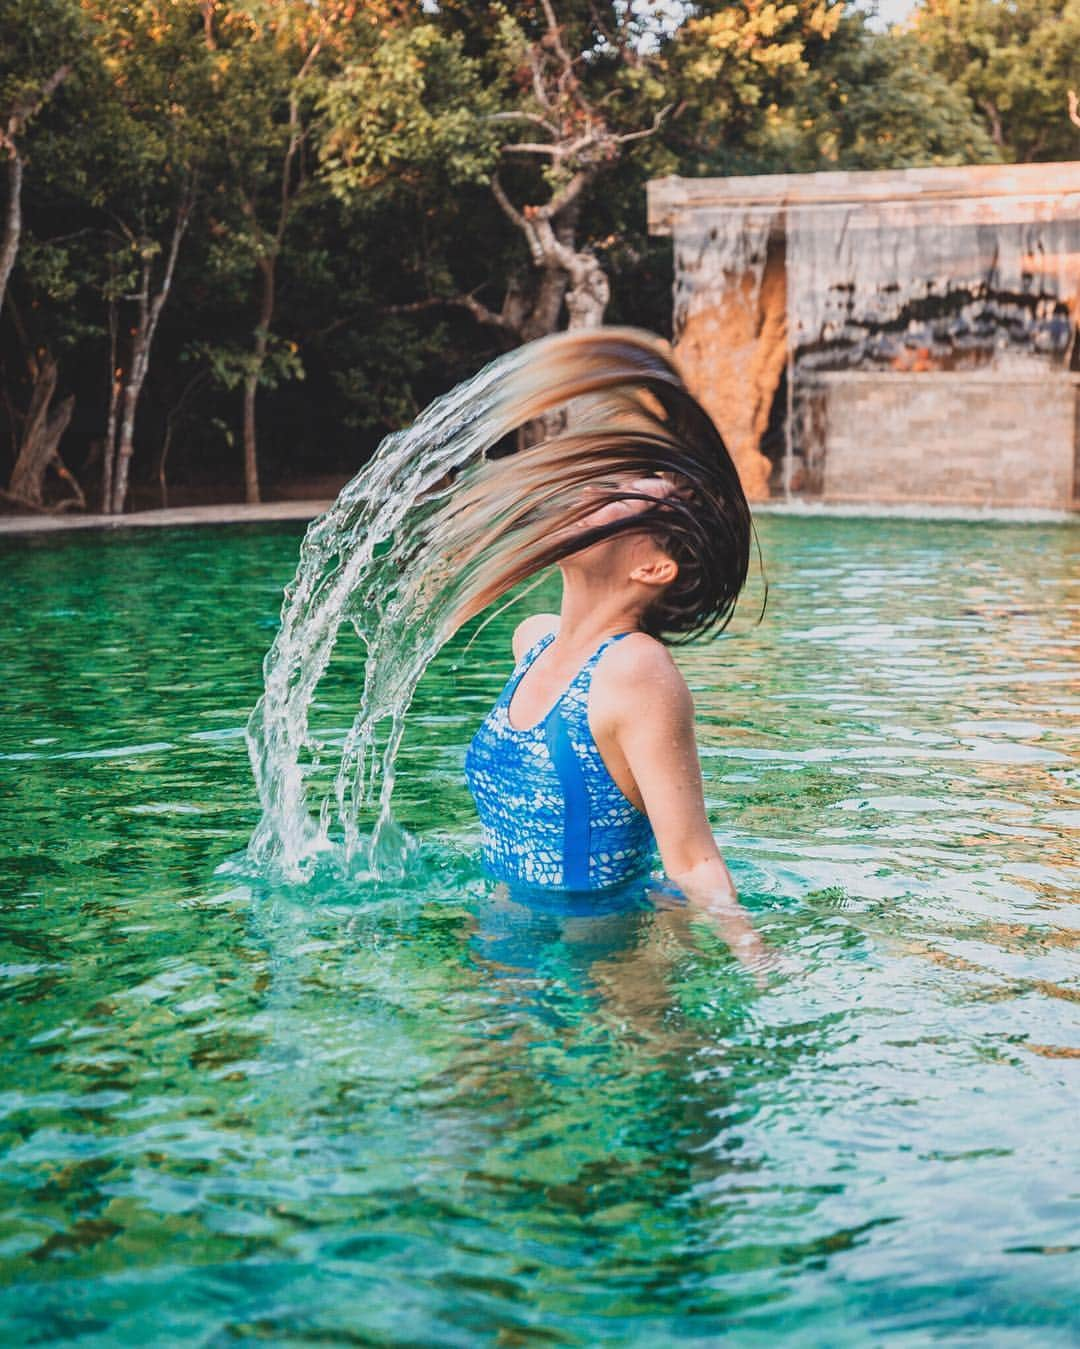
{"x":652,"y":721}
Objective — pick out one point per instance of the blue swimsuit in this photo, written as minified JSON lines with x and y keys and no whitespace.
{"x":550,"y":812}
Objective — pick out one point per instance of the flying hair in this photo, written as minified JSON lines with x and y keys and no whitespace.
{"x":628,"y":415}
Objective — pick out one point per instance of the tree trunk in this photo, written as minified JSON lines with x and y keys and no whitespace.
{"x":251,"y":380}
{"x":108,"y":466}
{"x":587,"y":298}
{"x":38,"y":448}
{"x":136,"y":374}
{"x":163,"y":481}
{"x":172,"y":420}
{"x":543,"y":316}
{"x":141,"y":343}
{"x":125,"y":447}
{"x":251,"y":449}
{"x":572,"y":276}
{"x":17,"y":118}
{"x":9,"y":248}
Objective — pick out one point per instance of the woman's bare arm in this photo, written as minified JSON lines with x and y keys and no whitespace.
{"x":651,"y":717}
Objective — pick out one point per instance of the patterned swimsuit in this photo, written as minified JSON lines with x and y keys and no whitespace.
{"x":550,"y":812}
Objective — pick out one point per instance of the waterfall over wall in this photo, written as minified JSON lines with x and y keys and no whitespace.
{"x":719,"y":254}
{"x":947,"y":285}
{"x":731,"y":327}
{"x":910,"y":334}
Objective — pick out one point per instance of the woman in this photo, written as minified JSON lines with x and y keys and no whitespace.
{"x":587,"y":763}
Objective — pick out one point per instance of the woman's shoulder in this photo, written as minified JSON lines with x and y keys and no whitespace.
{"x":641,"y":668}
{"x":529,"y":631}
{"x":639,"y":651}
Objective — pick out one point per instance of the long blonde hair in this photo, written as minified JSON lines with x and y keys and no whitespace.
{"x":629,"y":415}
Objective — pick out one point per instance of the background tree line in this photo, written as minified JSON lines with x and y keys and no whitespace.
{"x":242,"y":239}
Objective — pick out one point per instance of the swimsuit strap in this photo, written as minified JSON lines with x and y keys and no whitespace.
{"x":523,"y":665}
{"x":584,"y":674}
{"x":591,"y":663}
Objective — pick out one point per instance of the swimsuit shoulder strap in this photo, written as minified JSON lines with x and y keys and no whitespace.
{"x":588,"y":669}
{"x":523,"y":665}
{"x":576,"y":696}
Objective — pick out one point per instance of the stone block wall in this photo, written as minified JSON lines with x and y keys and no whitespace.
{"x":980,"y":438}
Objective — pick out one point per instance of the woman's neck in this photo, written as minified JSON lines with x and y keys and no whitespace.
{"x":590,"y":612}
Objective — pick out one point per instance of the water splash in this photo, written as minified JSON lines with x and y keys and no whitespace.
{"x":436,"y":526}
{"x":358,"y":566}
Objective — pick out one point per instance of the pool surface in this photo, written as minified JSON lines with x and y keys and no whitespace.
{"x":415,"y":1112}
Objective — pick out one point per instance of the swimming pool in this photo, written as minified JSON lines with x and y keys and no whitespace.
{"x":409,"y":1112}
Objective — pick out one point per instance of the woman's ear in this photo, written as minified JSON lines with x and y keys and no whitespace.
{"x":658,"y":571}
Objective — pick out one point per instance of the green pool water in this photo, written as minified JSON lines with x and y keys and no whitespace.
{"x":414,"y":1113}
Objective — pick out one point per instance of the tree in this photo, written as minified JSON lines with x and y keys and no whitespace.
{"x":869,"y":101}
{"x":1016,"y":60}
{"x":36,"y":61}
{"x":268,"y":60}
{"x":574,"y":132}
{"x":154,"y":143}
{"x":739,"y":69}
{"x":536,"y":114}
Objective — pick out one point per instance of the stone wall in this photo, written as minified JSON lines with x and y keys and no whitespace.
{"x":979,"y":438}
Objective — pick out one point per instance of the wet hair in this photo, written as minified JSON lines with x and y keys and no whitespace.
{"x":689,"y":527}
{"x":626,"y":414}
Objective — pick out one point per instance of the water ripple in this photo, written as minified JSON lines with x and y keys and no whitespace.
{"x":417,"y":1112}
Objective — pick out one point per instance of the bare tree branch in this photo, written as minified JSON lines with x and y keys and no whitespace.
{"x":568,"y":80}
{"x":297,"y":136}
{"x":629,"y":136}
{"x":566,"y":195}
{"x":997,"y":135}
{"x":534,"y":148}
{"x":540,"y":93}
{"x":534,"y":119}
{"x":509,"y":209}
{"x":468,"y":301}
{"x":30,"y":106}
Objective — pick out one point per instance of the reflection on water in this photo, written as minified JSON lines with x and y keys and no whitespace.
{"x":439,"y":1112}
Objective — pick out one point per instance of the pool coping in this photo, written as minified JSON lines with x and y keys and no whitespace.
{"x":231,"y":513}
{"x":914,"y":510}
{"x":235,"y":513}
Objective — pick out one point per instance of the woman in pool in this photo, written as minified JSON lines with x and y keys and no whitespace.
{"x":587,"y":764}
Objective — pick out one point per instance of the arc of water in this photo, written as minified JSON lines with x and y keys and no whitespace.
{"x":338,"y":579}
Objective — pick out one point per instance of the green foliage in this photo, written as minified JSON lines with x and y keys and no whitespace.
{"x":408,"y":114}
{"x":152,"y":95}
{"x":874,"y":102}
{"x":820,"y":91}
{"x":36,"y":36}
{"x":1016,"y":60}
{"x":352,"y":148}
{"x":735,"y":65}
{"x":230,"y":366}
